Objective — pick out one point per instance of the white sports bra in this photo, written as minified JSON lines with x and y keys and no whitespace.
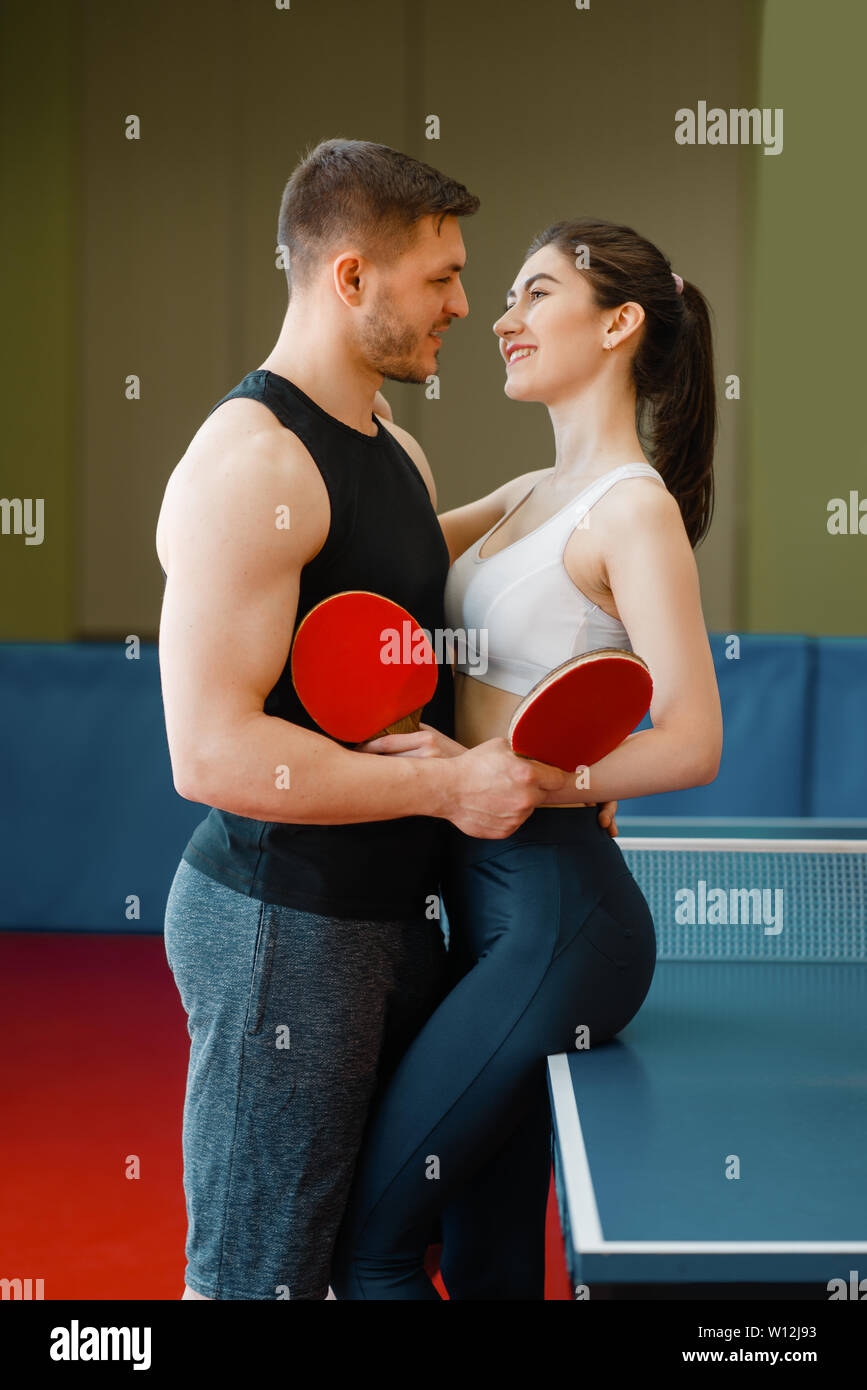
{"x":521,"y":598}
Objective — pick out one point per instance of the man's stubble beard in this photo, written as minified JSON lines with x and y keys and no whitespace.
{"x":390,"y":346}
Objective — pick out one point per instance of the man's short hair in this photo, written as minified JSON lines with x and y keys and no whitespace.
{"x":354,"y":190}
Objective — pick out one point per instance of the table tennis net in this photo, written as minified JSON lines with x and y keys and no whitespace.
{"x":754,"y":899}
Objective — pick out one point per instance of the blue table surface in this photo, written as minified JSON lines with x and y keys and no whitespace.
{"x":762,"y":1062}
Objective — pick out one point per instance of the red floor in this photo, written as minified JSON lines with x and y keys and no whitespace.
{"x":92,"y":1077}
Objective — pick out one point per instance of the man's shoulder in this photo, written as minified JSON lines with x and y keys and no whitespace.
{"x":241,"y":451}
{"x":243,"y":433}
{"x":243,"y":421}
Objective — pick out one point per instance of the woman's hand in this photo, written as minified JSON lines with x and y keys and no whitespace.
{"x":427,"y":742}
{"x":606,"y":818}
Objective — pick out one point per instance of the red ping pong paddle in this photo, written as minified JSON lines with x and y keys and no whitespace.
{"x":362,"y":667}
{"x":582,"y":709}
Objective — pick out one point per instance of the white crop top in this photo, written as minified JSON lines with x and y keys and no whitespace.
{"x":518,"y":610}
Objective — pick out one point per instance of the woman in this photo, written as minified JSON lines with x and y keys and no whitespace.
{"x":549,"y":931}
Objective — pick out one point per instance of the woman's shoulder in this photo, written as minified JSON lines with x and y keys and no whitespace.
{"x":641,"y":505}
{"x":638,"y":492}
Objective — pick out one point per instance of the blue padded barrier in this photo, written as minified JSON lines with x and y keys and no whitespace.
{"x":90,"y":810}
{"x":91,"y":816}
{"x":766,"y":693}
{"x":838,"y":742}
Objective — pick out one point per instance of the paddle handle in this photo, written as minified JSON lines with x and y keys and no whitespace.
{"x":407,"y":725}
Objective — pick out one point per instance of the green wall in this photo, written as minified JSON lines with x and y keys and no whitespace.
{"x":40,"y":65}
{"x":806,"y":386}
{"x":156,"y":257}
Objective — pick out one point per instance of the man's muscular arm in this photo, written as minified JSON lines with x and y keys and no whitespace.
{"x":228,"y":616}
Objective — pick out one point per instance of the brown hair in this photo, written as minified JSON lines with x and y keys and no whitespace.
{"x":672,"y":368}
{"x":354,"y":188}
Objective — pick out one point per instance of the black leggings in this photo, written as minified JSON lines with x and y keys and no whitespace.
{"x":549,"y":934}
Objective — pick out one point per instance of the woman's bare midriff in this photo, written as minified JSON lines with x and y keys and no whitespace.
{"x":485,"y":711}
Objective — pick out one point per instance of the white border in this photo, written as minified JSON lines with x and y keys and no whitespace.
{"x":720,"y":843}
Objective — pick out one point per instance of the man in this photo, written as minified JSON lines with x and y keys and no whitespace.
{"x":302,"y":925}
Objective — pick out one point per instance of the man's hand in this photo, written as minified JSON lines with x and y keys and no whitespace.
{"x":428,"y":742}
{"x":494,"y":791}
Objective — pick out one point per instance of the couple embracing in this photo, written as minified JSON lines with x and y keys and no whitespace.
{"x":358,"y":1089}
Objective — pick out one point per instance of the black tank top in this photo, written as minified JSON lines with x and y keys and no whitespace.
{"x":384,"y":537}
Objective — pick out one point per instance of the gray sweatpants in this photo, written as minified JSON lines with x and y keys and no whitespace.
{"x":296,"y":1022}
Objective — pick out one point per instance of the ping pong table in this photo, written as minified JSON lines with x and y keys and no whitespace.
{"x":722,"y":1135}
